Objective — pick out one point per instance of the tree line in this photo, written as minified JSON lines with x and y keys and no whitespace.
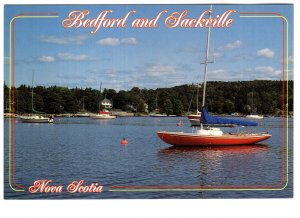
{"x":261,"y":96}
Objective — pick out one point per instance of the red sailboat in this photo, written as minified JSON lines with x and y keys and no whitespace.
{"x":194,"y":139}
{"x":207,"y":134}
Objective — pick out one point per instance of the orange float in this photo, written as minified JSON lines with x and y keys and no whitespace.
{"x":124,"y":142}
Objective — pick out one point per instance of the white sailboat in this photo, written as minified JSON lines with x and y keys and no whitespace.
{"x":35,"y":118}
{"x":254,"y":115}
{"x":103,"y":114}
{"x":83,"y":112}
{"x":195,"y":118}
{"x":156,"y":112}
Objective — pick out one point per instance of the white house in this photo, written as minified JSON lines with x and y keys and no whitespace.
{"x":106,"y":104}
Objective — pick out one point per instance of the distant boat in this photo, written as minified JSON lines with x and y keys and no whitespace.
{"x":83,"y":112}
{"x":9,"y":115}
{"x":157,"y":115}
{"x":157,"y":110}
{"x":254,"y":115}
{"x":211,"y":136}
{"x":195,"y":122}
{"x":195,"y":118}
{"x":35,"y":118}
{"x":103,"y":113}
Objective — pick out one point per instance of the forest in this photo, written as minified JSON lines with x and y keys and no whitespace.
{"x":261,"y":96}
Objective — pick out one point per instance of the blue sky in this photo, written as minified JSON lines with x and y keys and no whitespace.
{"x":148,"y":58}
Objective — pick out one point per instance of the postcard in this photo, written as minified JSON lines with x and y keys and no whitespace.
{"x":148,"y":101}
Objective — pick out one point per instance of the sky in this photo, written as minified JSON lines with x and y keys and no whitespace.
{"x":122,"y":58}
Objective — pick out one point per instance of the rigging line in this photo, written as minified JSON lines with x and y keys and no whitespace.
{"x":191,"y":100}
{"x":198,"y":88}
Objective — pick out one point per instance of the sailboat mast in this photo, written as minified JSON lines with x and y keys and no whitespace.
{"x":197,"y":98}
{"x":32,"y":92}
{"x":252,"y":102}
{"x":100,"y":97}
{"x":156,"y":106}
{"x":206,"y":58}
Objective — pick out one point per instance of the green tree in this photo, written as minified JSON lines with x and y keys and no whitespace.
{"x":177,"y":107}
{"x":228,"y":107}
{"x":168,"y":107}
{"x":53,"y":101}
{"x":121,"y":100}
{"x":269,"y":97}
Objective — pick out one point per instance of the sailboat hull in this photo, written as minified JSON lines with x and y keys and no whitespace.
{"x":194,"y":116}
{"x":194,"y":122}
{"x":193,"y":139}
{"x":254,"y":117}
{"x":103,"y":116}
{"x":35,"y":119}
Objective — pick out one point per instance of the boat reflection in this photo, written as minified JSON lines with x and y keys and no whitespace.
{"x":226,"y":150}
{"x":216,"y":165}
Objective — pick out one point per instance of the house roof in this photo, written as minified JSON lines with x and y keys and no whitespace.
{"x":106,"y":101}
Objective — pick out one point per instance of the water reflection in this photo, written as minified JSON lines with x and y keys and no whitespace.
{"x":213,"y":150}
{"x":217,"y":165}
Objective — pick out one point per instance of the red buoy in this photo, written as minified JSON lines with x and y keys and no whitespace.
{"x":179,"y":123}
{"x":124,"y":142}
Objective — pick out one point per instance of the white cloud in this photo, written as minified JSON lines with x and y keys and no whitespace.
{"x":218,"y":72}
{"x":217,"y":54}
{"x":74,"y":57}
{"x":47,"y":59}
{"x":109,"y":41}
{"x":66,"y":57}
{"x":264,"y":69}
{"x":159,"y":70}
{"x":233,"y":45}
{"x":115,"y":41}
{"x":266,"y":52}
{"x":108,"y":73}
{"x":267,"y":72}
{"x":129,"y":41}
{"x":220,"y":51}
{"x":77,"y":40}
{"x":156,"y":75}
{"x":221,"y":75}
{"x":256,"y":73}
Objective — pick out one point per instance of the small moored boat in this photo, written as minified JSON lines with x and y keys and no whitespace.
{"x":103,"y":115}
{"x":255,"y":117}
{"x":36,"y":119}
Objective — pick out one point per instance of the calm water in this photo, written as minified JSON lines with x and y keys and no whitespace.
{"x":82,"y":148}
